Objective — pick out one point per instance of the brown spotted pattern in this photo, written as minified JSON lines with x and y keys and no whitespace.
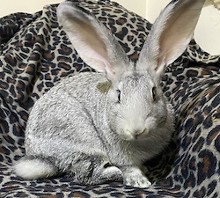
{"x":35,"y":54}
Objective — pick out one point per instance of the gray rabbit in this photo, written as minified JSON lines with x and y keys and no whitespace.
{"x":102,"y":126}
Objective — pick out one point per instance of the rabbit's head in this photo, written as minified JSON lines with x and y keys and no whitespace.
{"x":136,"y":105}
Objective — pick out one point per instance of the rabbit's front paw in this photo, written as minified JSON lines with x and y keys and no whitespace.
{"x":108,"y":173}
{"x":135,"y":178}
{"x":113,"y":173}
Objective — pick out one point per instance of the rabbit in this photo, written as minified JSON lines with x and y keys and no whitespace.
{"x":102,"y":126}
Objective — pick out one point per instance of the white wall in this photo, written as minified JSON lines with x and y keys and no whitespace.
{"x":207,"y":33}
{"x":30,"y":6}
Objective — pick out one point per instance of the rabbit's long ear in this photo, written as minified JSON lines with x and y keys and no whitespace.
{"x":170,"y":34}
{"x":94,"y":43}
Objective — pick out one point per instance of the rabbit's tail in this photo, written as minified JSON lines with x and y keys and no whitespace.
{"x":34,"y":168}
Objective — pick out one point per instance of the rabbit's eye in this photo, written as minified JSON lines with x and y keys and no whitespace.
{"x":154,"y":93}
{"x":119,"y":95}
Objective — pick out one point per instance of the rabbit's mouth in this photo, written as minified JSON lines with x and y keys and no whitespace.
{"x":135,"y":135}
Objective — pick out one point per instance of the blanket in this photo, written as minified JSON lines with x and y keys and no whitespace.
{"x":35,"y":54}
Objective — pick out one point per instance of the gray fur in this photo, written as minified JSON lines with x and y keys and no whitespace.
{"x":83,"y":127}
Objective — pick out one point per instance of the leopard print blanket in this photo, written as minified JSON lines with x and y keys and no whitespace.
{"x":35,"y":53}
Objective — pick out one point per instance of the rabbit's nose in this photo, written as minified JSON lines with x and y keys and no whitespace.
{"x":138,"y":133}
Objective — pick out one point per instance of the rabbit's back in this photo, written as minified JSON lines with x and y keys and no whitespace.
{"x":59,"y":120}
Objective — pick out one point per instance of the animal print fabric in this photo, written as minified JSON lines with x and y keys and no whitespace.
{"x":35,"y":54}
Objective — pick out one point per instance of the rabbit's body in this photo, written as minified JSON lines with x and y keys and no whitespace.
{"x":75,"y":127}
{"x":67,"y":116}
{"x":103,"y":126}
